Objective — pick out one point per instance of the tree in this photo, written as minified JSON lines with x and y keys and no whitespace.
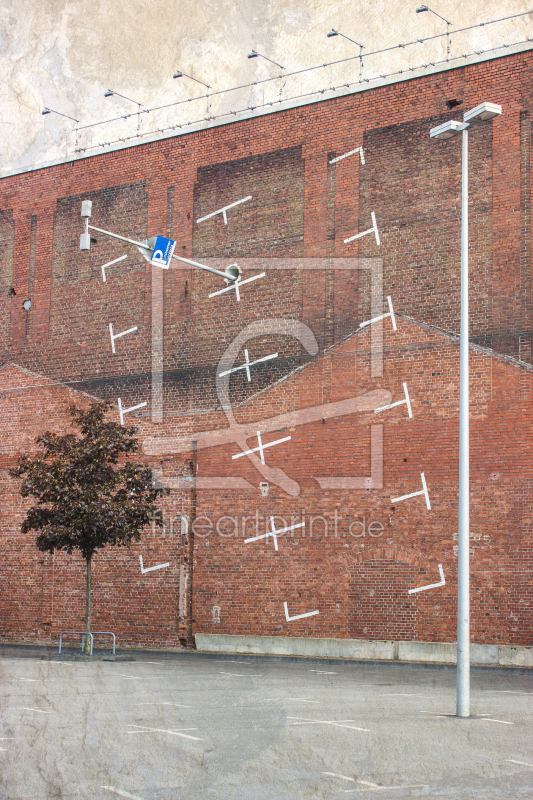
{"x":88,"y":494}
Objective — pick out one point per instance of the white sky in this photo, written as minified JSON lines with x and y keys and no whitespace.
{"x":64,"y":54}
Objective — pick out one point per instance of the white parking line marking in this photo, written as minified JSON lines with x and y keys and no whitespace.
{"x":501,"y":721}
{"x":327,"y":722}
{"x":136,"y":677}
{"x":144,"y":729}
{"x":373,"y":787}
{"x":121,"y":793}
{"x":33,"y":680}
{"x":522,"y":763}
{"x":344,"y":777}
{"x":322,"y":672}
{"x":404,"y":694}
{"x":238,"y":675}
{"x":25,"y":708}
{"x":301,"y":700}
{"x":178,"y":705}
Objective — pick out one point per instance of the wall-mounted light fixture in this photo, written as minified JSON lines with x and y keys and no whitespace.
{"x":255,"y":54}
{"x":51,"y":111}
{"x":421,"y":9}
{"x":180,"y":74}
{"x":333,"y":32}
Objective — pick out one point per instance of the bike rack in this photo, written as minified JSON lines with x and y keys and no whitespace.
{"x":83,"y":634}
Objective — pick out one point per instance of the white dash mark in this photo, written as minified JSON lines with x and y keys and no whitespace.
{"x":123,"y":411}
{"x":261,"y":448}
{"x":298,"y":616}
{"x":144,"y":729}
{"x":144,"y":569}
{"x":423,"y":491}
{"x":118,"y":335}
{"x":109,"y":263}
{"x":390,"y":314}
{"x":522,"y":763}
{"x":135,"y":677}
{"x":373,"y":229}
{"x":246,"y":366}
{"x":442,"y":582}
{"x":237,"y":284}
{"x":406,"y":401}
{"x":501,"y":721}
{"x":351,"y":153}
{"x":275,"y":533}
{"x":33,"y":680}
{"x":224,"y":209}
{"x":122,"y":793}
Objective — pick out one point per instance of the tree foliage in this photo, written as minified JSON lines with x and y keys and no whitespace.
{"x":88,"y":495}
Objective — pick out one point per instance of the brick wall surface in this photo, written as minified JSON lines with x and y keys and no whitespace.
{"x":359,"y":553}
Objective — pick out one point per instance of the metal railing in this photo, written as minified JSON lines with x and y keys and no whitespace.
{"x":83,"y":634}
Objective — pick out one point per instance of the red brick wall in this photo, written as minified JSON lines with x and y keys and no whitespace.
{"x":302,"y":207}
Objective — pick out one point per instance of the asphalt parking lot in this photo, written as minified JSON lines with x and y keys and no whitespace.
{"x":192,"y":727}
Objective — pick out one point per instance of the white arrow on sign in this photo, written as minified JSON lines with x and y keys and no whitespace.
{"x":151,"y":569}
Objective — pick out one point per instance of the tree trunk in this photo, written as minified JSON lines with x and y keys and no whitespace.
{"x":88,"y":609}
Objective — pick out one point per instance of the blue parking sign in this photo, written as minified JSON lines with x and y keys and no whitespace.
{"x":162,"y":252}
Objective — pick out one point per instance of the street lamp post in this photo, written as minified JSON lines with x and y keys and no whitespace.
{"x":484,"y":111}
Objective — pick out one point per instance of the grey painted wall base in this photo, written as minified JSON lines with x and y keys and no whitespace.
{"x":363,"y":649}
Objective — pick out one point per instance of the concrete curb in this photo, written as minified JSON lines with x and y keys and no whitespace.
{"x":364,"y":649}
{"x":50,"y":652}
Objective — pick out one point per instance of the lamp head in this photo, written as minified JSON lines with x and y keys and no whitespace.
{"x":109,"y":93}
{"x":253,"y":54}
{"x":483,"y":111}
{"x":332,"y":32}
{"x":178,"y":74}
{"x":46,"y":111}
{"x":420,"y":9}
{"x":233,"y":272}
{"x":447,"y":129}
